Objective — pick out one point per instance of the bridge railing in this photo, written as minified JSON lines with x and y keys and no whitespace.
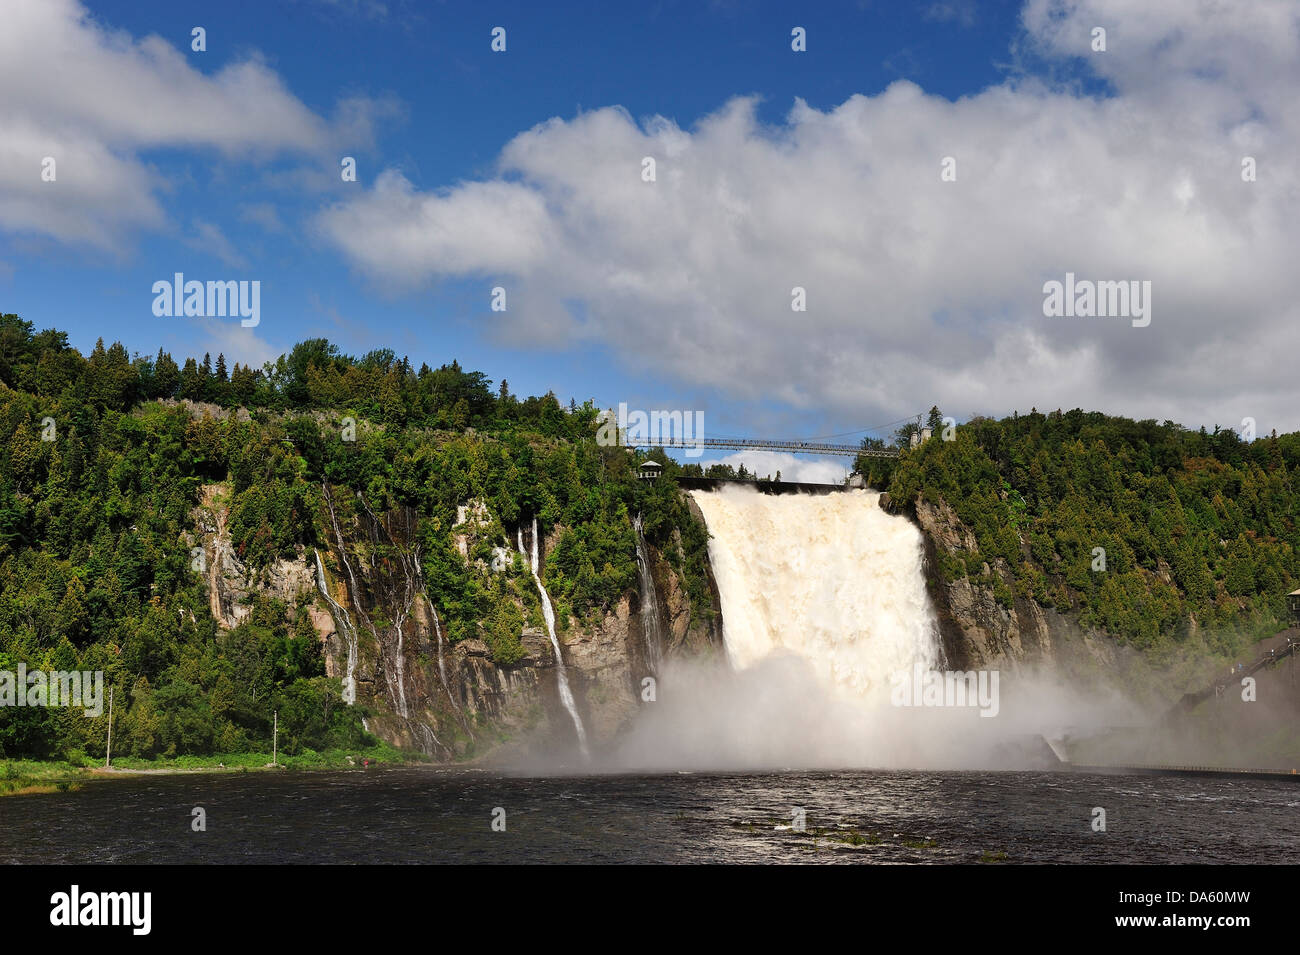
{"x":762,"y":444}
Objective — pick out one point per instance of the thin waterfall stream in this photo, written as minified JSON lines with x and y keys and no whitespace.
{"x":566,"y":693}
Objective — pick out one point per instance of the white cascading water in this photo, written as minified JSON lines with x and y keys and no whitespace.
{"x":349,"y":633}
{"x":442,"y":667}
{"x":394,"y":675}
{"x":830,"y":578}
{"x":651,"y":624}
{"x":566,"y":694}
{"x":824,"y":607}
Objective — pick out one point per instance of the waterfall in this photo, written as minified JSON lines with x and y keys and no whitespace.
{"x":830,"y":578}
{"x":353,"y":590}
{"x":566,"y":694}
{"x":442,"y":667}
{"x":349,"y":633}
{"x":394,"y":675}
{"x":833,"y":657}
{"x":386,"y":562}
{"x":651,"y":622}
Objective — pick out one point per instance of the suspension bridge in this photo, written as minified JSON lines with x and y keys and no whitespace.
{"x":670,"y":434}
{"x":764,"y":444}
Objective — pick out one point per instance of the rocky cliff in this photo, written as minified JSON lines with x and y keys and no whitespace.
{"x":364,"y":592}
{"x":984,"y":623}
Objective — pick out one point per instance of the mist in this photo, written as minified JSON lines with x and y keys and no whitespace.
{"x":826,"y":615}
{"x":777,"y":714}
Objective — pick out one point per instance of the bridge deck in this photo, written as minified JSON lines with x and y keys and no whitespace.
{"x":763,"y":487}
{"x":760,"y":444}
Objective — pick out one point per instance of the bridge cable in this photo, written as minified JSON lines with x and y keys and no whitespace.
{"x":844,"y":434}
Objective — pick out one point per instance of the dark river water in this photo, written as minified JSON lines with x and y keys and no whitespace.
{"x":446,"y":815}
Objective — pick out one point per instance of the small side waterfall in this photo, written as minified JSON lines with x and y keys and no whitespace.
{"x":651,"y":621}
{"x":394,"y":656}
{"x":353,"y":590}
{"x":566,"y":694}
{"x":380,"y":560}
{"x":395,"y":672}
{"x":442,"y":666}
{"x":349,"y":633}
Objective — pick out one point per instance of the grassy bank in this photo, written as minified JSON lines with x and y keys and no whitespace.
{"x":25,"y":776}
{"x":21,"y":776}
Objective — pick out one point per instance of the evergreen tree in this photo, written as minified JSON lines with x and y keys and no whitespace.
{"x":191,"y":381}
{"x":166,"y":376}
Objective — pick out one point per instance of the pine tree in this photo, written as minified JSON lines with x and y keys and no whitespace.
{"x":191,"y":381}
{"x":166,"y":376}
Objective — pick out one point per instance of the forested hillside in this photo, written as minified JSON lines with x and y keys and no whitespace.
{"x":1198,"y":529}
{"x":101,"y":473}
{"x":107,"y":457}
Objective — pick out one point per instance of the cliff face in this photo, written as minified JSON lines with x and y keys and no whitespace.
{"x":365,"y":595}
{"x":981,"y":632}
{"x":231,"y":584}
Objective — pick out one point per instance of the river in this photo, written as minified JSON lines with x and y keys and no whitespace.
{"x":430,"y":815}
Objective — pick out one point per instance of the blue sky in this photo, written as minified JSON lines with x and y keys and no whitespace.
{"x":415,"y":94}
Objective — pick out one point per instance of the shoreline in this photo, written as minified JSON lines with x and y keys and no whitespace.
{"x":22,"y":777}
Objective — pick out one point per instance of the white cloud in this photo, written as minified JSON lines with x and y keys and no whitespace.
{"x":792,"y":467}
{"x":209,"y":238}
{"x":262,"y":214}
{"x":95,"y":99}
{"x":919,"y":291}
{"x":479,"y":226}
{"x":238,"y":344}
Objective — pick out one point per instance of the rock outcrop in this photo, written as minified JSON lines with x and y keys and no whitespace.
{"x":980,"y":628}
{"x":231,"y":584}
{"x":364,"y":593}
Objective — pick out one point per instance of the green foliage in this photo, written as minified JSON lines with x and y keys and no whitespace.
{"x":1193,"y":525}
{"x":96,"y":528}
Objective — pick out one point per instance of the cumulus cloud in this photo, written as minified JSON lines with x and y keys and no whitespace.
{"x":918,"y":290}
{"x":475,"y":228}
{"x":95,"y":99}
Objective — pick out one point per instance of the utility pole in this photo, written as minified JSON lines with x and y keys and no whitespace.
{"x":108,"y":753}
{"x":275,"y":739}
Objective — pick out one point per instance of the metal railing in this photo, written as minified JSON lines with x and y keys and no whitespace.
{"x":761,"y":444}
